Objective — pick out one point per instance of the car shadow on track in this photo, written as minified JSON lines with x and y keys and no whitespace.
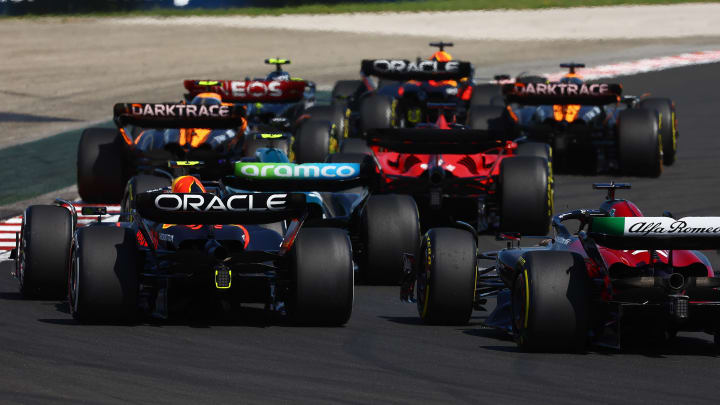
{"x":679,"y":346}
{"x":415,"y":320}
{"x":242,"y":317}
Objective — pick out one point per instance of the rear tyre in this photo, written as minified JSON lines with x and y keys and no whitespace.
{"x":332,"y":113}
{"x":345,"y":89}
{"x":104,"y":279}
{"x":446,"y":276}
{"x":526,"y":196}
{"x":100,"y":176}
{"x":322,"y":272}
{"x":312,"y":141}
{"x":539,"y":149}
{"x":389,"y":227}
{"x":375,"y":112}
{"x":550,"y":302}
{"x":355,"y":146}
{"x":140,"y":184}
{"x":667,"y":125}
{"x":640,"y":144}
{"x":44,"y":257}
{"x":488,"y":118}
{"x":486,"y":95}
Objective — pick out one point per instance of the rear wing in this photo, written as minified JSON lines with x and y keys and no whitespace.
{"x":300,"y":177}
{"x":398,"y":69}
{"x":211,"y":209}
{"x":250,"y":91}
{"x":562,"y":93}
{"x":435,"y":141}
{"x":656,"y":232}
{"x":161,"y":115}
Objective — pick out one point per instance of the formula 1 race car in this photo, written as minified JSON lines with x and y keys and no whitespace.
{"x":280,"y":103}
{"x":191,"y":245}
{"x":590,"y":125}
{"x":476,"y":176}
{"x":618,"y":277}
{"x":109,"y":157}
{"x":406,"y":93}
{"x":338,"y":195}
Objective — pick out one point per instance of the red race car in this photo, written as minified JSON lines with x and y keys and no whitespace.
{"x":475,"y":173}
{"x":620,"y":276}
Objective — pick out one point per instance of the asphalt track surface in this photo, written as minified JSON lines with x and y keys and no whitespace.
{"x":383,"y":355}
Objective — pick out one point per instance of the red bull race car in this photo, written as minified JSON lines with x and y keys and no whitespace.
{"x":192,"y":245}
{"x":618,"y":276}
{"x":405,"y":93}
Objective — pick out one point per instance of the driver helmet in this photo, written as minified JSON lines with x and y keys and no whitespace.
{"x":207,"y":99}
{"x":279,"y":75}
{"x":187,"y":184}
{"x":441,"y":56}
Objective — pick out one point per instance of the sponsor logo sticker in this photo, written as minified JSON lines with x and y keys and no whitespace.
{"x":657,"y":226}
{"x":319,"y":171}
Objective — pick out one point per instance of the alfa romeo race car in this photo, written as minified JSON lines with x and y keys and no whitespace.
{"x":618,"y":277}
{"x":591,"y":126}
{"x":280,"y":103}
{"x":188,"y":246}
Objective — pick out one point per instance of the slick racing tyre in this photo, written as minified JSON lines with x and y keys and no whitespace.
{"x":335,"y":115}
{"x":345,"y":89}
{"x":355,"y":146}
{"x":103,"y":276}
{"x":375,"y":112}
{"x":526,"y":196}
{"x":390,"y":226}
{"x":539,"y":149}
{"x":100,"y":176}
{"x":312,"y":141}
{"x":322,"y":277}
{"x":551,"y":302}
{"x":446,"y":276}
{"x":486,"y":95}
{"x":667,"y":125}
{"x":140,"y":184}
{"x":488,"y":118}
{"x":640,"y":144}
{"x":44,"y":254}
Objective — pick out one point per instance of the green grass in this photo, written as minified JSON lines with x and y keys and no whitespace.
{"x":39,"y":167}
{"x":402,"y":5}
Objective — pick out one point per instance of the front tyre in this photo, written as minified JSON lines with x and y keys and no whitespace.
{"x":446,"y":276}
